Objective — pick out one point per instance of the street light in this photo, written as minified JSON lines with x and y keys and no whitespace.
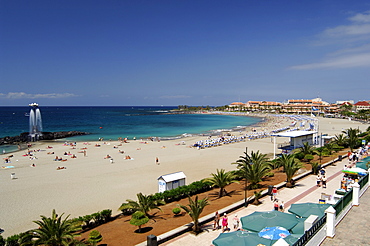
{"x":245,"y":184}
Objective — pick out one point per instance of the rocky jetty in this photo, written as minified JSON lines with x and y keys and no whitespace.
{"x":23,"y":137}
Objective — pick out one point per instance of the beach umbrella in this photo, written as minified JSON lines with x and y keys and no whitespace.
{"x":274,"y":233}
{"x":241,"y":238}
{"x":362,"y":165}
{"x":259,"y":220}
{"x":306,"y":209}
{"x":355,"y":170}
{"x":298,"y":228}
{"x":291,"y":239}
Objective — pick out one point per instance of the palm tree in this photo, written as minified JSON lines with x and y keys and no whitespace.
{"x":352,"y":137}
{"x":329,"y":147}
{"x":194,"y":209}
{"x":222,"y":179}
{"x":320,"y":152}
{"x":144,"y":204}
{"x":340,"y":139}
{"x":306,"y":149}
{"x":253,"y":168}
{"x":291,"y":166}
{"x":53,"y":231}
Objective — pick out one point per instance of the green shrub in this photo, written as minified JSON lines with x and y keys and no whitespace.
{"x":87,"y":219}
{"x":309,"y":157}
{"x":2,"y":241}
{"x":94,"y":237}
{"x":314,"y":167}
{"x":176,"y":211}
{"x":12,"y":240}
{"x":270,"y":174}
{"x":106,"y":215}
{"x":138,"y":219}
{"x":299,"y":155}
{"x":97,"y":217}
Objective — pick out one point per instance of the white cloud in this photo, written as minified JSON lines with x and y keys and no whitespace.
{"x":356,"y":60}
{"x":360,"y":49}
{"x":349,"y":30}
{"x":22,"y":95}
{"x":365,"y":17}
{"x":359,"y":25}
{"x":354,"y":39}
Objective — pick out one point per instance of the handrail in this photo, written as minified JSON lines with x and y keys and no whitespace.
{"x":311,"y":232}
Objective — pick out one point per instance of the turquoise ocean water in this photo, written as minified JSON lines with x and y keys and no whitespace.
{"x":115,"y":122}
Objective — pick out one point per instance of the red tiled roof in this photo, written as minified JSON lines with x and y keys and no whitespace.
{"x":362,"y":103}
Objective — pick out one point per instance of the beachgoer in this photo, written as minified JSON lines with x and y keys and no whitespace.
{"x":216,"y":221}
{"x":282,"y":207}
{"x":157,"y":160}
{"x":323,"y":181}
{"x":318,"y":180}
{"x":274,"y":192}
{"x":236,"y":222}
{"x":225,"y":223}
{"x":322,"y":171}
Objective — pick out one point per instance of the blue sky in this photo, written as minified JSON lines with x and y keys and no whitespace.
{"x":175,"y":52}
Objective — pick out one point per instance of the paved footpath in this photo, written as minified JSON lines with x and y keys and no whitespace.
{"x":354,"y":228}
{"x":305,"y":191}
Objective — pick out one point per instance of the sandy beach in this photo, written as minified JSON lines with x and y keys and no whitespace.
{"x":90,"y":182}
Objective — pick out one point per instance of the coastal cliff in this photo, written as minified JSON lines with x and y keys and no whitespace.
{"x":23,"y":137}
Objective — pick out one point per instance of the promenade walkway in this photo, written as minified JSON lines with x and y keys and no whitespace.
{"x":305,"y":191}
{"x":353,"y":229}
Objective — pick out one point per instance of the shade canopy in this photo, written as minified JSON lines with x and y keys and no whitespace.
{"x":304,"y":210}
{"x":298,"y":228}
{"x":258,"y":220}
{"x":241,"y":238}
{"x":355,"y":170}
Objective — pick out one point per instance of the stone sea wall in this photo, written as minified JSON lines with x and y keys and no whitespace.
{"x":23,"y":137}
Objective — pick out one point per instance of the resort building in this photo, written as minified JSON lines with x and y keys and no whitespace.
{"x":362,"y":105}
{"x":298,"y":106}
{"x":305,"y":106}
{"x":236,"y":106}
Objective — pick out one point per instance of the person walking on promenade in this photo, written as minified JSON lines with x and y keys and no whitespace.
{"x":323,"y":180}
{"x":236,"y":222}
{"x":216,"y":221}
{"x":318,"y":180}
{"x":225,"y":223}
{"x":274,"y":193}
{"x":276,"y":205}
{"x":282,"y":207}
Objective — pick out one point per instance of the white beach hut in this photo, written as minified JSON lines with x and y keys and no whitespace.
{"x":297,"y":139}
{"x":171,"y":181}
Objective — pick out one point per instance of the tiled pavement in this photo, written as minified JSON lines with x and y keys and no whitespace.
{"x":354,"y":228}
{"x":305,"y":191}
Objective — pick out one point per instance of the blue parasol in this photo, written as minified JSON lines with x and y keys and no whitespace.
{"x":274,"y":233}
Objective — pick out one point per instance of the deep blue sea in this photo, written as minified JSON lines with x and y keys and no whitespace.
{"x":115,"y":122}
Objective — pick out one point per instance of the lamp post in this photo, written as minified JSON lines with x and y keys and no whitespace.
{"x":246,"y":184}
{"x":245,"y":193}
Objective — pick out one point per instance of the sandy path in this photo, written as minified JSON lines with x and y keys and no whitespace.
{"x":92,"y":183}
